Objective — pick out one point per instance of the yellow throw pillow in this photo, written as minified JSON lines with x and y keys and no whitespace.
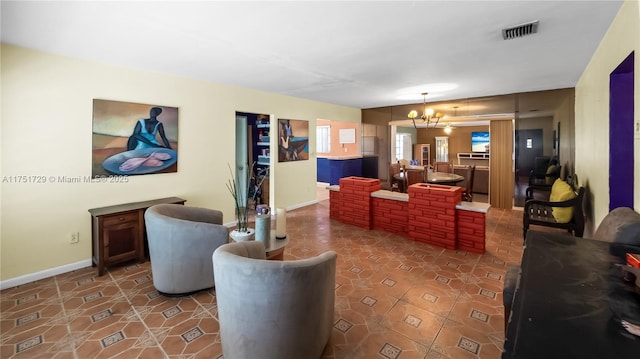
{"x":557,"y":184}
{"x":550,"y":171}
{"x":561,"y":191}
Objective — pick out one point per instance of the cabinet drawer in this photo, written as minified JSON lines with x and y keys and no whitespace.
{"x":120,"y":218}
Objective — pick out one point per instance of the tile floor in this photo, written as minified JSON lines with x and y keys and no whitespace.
{"x":394,"y":299}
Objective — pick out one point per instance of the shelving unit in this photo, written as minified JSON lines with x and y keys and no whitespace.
{"x":469,"y":158}
{"x":422,"y":152}
{"x":260,"y":152}
{"x":474,"y":156}
{"x":262,"y":149}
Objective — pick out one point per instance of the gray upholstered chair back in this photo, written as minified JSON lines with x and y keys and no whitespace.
{"x":181,"y":242}
{"x":273,"y":309}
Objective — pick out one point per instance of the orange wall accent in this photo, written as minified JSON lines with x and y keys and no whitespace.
{"x":337,"y":149}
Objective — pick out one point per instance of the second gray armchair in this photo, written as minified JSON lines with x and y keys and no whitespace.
{"x":181,"y":242}
{"x":273,"y":309}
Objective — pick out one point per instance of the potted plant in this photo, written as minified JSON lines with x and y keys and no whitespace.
{"x":240,"y":193}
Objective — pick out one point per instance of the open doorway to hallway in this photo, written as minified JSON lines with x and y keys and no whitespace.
{"x":253,"y":153}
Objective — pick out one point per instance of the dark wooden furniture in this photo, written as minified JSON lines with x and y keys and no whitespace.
{"x":444,"y":178}
{"x":118,"y":232}
{"x":542,"y":183}
{"x":570,"y":299}
{"x":412,"y":176}
{"x":538,"y":212}
{"x":467,"y":191}
{"x":394,"y":180}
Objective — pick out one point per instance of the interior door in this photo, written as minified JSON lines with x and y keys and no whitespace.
{"x":528,"y":147}
{"x":242,"y":156}
{"x":621,"y":130}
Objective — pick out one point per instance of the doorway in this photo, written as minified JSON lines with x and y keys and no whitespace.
{"x":253,"y":156}
{"x":528,"y":147}
{"x":621,"y":130}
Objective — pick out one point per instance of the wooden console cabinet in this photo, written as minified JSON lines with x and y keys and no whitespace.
{"x":118,"y":232}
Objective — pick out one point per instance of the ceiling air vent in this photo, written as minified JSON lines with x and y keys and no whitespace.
{"x":520,"y":30}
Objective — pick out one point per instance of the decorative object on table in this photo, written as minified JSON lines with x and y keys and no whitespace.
{"x":281,"y":223}
{"x":263,"y":224}
{"x":239,"y":189}
{"x":133,"y":138}
{"x":293,"y":140}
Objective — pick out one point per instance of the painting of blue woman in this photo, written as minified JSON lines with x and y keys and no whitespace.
{"x":134,"y":139}
{"x":293,"y":140}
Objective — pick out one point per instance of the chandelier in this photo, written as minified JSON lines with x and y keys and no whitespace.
{"x":427,"y":115}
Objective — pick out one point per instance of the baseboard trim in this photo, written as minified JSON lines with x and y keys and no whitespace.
{"x":32,"y":277}
{"x":304,"y":204}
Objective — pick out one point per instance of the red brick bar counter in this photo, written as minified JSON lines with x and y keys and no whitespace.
{"x":355,"y":200}
{"x":432,"y":214}
{"x":390,"y":212}
{"x":471,"y":219}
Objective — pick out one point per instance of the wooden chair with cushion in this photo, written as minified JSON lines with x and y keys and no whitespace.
{"x":412,"y":177}
{"x":394,"y":169}
{"x":444,"y":167}
{"x":562,"y":210}
{"x":544,"y":183}
{"x":542,"y":178}
{"x":467,"y":191}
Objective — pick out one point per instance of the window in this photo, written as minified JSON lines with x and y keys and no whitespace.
{"x":442,"y":149}
{"x":403,"y":146}
{"x":323,"y":139}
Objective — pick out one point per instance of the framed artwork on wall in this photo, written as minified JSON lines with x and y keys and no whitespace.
{"x":133,"y":139}
{"x":293,"y":140}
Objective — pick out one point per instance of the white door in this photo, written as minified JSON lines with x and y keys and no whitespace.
{"x":242,"y":157}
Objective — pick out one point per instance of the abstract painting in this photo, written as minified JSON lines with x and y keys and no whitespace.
{"x":133,"y":138}
{"x":293,"y":140}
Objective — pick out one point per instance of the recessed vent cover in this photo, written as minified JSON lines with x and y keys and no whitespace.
{"x":520,"y":30}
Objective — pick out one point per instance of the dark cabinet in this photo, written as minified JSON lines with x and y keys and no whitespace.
{"x":118,"y":232}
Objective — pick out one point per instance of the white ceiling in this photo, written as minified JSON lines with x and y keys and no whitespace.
{"x":358,"y":54}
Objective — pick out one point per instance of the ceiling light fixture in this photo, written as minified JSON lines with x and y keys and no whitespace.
{"x":427,"y":114}
{"x":448,"y":129}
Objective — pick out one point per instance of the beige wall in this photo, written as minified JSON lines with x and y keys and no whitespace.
{"x":46,"y":131}
{"x":592,"y":111}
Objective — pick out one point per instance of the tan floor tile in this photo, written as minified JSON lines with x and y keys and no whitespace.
{"x":390,"y":345}
{"x":433,"y":298}
{"x":384,"y":284}
{"x":459,"y":341}
{"x":413,"y":322}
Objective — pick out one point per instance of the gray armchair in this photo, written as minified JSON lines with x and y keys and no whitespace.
{"x":273,"y":309}
{"x":181,"y":242}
